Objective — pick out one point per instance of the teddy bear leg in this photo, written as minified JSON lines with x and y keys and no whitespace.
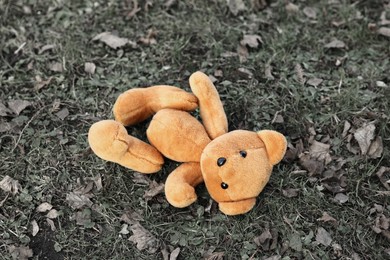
{"x":109,"y":140}
{"x":181,"y":183}
{"x":237,"y":207}
{"x":136,"y":105}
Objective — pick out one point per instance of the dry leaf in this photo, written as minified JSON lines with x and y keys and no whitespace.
{"x":215,"y":256}
{"x":274,"y":257}
{"x":124,"y":230}
{"x":135,"y":10}
{"x":77,"y":201}
{"x":341,"y":197}
{"x":335,"y":44}
{"x":56,"y":67}
{"x":382,"y":177}
{"x":43,"y":207}
{"x":63,"y":113}
{"x":310,"y":12}
{"x":90,"y":67}
{"x":150,"y":38}
{"x":131,"y":217}
{"x":83,"y":218}
{"x":264,"y":239}
{"x":323,"y":237}
{"x":236,"y":6}
{"x":347,"y":126}
{"x":174,"y":254}
{"x":376,"y":148}
{"x":168,"y":4}
{"x":143,"y":238}
{"x":291,"y":8}
{"x":268,"y":72}
{"x":320,"y":151}
{"x":39,"y":83}
{"x":35,"y":228}
{"x":18,"y":106}
{"x":300,"y":74}
{"x":384,"y":31}
{"x":52,"y":214}
{"x":290,"y":193}
{"x":51,"y":224}
{"x":251,"y":40}
{"x":245,"y":72}
{"x":313,"y":166}
{"x":315,"y":82}
{"x":243,"y":53}
{"x":4,"y":111}
{"x":364,"y":136}
{"x":327,"y":218}
{"x":8,"y":184}
{"x":154,"y":189}
{"x":46,"y":48}
{"x":141,"y":178}
{"x":111,"y":40}
{"x":98,"y":182}
{"x":20,"y":253}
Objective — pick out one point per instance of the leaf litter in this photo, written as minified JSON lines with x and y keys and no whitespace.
{"x":8,"y":184}
{"x":143,"y":239}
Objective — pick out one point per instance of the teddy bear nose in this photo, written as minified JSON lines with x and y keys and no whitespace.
{"x":224,"y":186}
{"x":221,"y":161}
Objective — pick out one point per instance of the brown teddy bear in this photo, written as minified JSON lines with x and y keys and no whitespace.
{"x":235,"y":166}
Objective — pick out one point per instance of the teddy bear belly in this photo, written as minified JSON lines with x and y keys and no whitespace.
{"x":177,"y":135}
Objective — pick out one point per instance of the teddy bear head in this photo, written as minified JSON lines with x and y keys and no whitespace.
{"x":237,"y":165}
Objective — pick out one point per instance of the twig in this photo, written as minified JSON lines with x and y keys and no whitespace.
{"x":28,"y":123}
{"x":20,"y":48}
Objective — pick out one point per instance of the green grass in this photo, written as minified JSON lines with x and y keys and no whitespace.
{"x":50,"y":157}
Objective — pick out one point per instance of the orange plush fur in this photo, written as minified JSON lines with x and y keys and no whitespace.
{"x":235,"y":166}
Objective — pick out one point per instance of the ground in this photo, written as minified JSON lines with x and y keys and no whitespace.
{"x":317,"y":71}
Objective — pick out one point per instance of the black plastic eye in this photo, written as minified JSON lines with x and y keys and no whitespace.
{"x":243,"y":153}
{"x":224,"y":186}
{"x":221,"y":161}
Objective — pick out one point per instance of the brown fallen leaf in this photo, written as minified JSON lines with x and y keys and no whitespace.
{"x":46,"y":48}
{"x":52,"y":214}
{"x":63,"y":113}
{"x":168,"y":4}
{"x":315,"y":82}
{"x":43,"y":207}
{"x":335,"y":44}
{"x":327,"y":218}
{"x":56,"y":67}
{"x":314,"y":167}
{"x":268,"y":72}
{"x":135,"y":9}
{"x":124,"y":230}
{"x":35,"y":228}
{"x":4,"y":111}
{"x":77,"y":201}
{"x":236,"y":6}
{"x":131,"y":217}
{"x":9,"y":184}
{"x":310,"y":12}
{"x":243,"y":53}
{"x":18,"y":106}
{"x":141,"y":178}
{"x":291,"y":8}
{"x":251,"y":40}
{"x":89,"y":67}
{"x":323,"y":237}
{"x":51,"y":224}
{"x":264,"y":240}
{"x":154,"y":189}
{"x":341,"y":198}
{"x":21,"y":252}
{"x":150,"y":38}
{"x":382,"y":177}
{"x":143,"y":238}
{"x":290,"y":193}
{"x":320,"y":151}
{"x":384,"y":31}
{"x":245,"y":73}
{"x":376,"y":148}
{"x":364,"y":136}
{"x":215,"y":256}
{"x":39,"y":83}
{"x":174,"y":254}
{"x":111,"y":40}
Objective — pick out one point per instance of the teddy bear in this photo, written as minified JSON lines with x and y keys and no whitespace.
{"x":235,"y":166}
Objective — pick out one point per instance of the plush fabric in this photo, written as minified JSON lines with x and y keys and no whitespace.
{"x":235,"y":166}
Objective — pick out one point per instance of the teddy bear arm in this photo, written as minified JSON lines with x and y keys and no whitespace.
{"x":180,"y":185}
{"x":211,"y":108}
{"x":109,"y":140}
{"x":136,"y":105}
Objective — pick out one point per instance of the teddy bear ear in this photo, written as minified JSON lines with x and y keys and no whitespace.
{"x":275,"y":144}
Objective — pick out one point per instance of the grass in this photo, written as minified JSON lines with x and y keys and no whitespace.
{"x":50,"y":158}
